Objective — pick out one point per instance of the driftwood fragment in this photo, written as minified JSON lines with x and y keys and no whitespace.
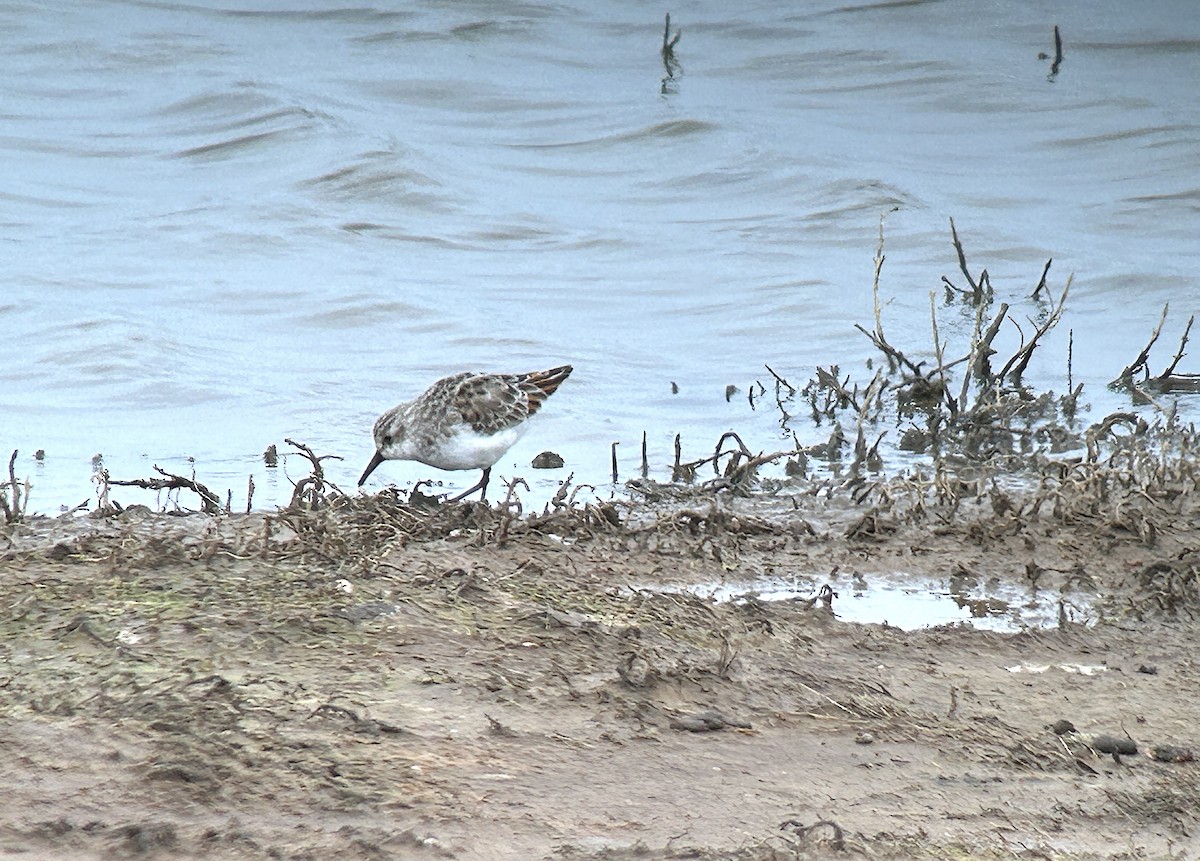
{"x":210,"y":503}
{"x":1169,"y":381}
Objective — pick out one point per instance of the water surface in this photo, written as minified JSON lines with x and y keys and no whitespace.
{"x":225,"y":224}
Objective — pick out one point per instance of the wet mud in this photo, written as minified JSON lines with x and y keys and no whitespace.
{"x":358,"y":677}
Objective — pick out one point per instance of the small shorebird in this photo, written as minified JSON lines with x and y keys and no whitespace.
{"x":465,"y":421}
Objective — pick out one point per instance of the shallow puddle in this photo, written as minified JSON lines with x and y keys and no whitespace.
{"x":914,"y":604}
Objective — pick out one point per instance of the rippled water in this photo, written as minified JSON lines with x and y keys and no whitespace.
{"x":227,"y":224}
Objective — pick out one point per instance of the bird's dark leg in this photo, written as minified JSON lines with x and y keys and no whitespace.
{"x":481,"y":486}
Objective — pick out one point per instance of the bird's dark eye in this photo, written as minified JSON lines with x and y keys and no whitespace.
{"x":387,"y":439}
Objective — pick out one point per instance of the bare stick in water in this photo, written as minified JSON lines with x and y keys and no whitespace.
{"x":1180,"y":354}
{"x":670,"y":63}
{"x":668,"y":48}
{"x":962,"y":262}
{"x":1020,"y":359}
{"x":939,"y":353}
{"x":1125,"y":380}
{"x":1041,"y":285}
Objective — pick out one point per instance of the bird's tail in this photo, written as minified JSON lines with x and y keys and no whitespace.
{"x":540,"y":385}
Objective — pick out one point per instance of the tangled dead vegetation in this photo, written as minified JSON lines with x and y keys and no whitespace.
{"x":987,"y":457}
{"x":1135,"y":486}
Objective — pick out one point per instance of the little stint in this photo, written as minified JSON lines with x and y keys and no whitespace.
{"x":465,"y":421}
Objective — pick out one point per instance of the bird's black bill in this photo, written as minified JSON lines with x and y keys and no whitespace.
{"x":375,"y":461}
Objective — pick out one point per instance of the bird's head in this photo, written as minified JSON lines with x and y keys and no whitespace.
{"x":389,"y":434}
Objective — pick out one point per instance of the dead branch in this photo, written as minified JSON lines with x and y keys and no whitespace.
{"x":895,"y":357}
{"x":1041,"y":285}
{"x":738,"y":475}
{"x":13,"y":512}
{"x":670,"y":63}
{"x":681,"y":471}
{"x":1125,"y":379}
{"x":780,"y":380}
{"x":1105,"y":428}
{"x":1165,"y":375}
{"x":939,"y":353}
{"x":879,"y":258}
{"x":962,"y":263}
{"x":317,"y":470}
{"x":742,"y":451}
{"x":310,"y":491}
{"x":668,"y":46}
{"x":210,"y":503}
{"x":829,"y":380}
{"x":1020,"y":359}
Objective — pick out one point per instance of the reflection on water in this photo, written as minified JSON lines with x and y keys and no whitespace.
{"x":225,"y":226}
{"x":913,"y":604}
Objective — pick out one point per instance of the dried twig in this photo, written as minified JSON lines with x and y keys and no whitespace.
{"x":1041,"y":285}
{"x":1125,"y":379}
{"x":1165,"y":375}
{"x":780,"y":380}
{"x":1020,"y":359}
{"x":896,"y":357}
{"x":962,"y":262}
{"x":14,"y":511}
{"x":939,"y":354}
{"x":670,"y":63}
{"x":879,"y":258}
{"x":668,"y":45}
{"x":309,"y":492}
{"x":209,"y":501}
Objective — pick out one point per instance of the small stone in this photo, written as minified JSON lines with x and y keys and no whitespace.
{"x":548,"y":460}
{"x":1173,"y":753}
{"x":1112,"y":744}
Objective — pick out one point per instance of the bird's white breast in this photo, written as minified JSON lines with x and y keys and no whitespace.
{"x":466,"y":449}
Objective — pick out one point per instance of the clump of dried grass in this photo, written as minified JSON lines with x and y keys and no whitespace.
{"x":357,"y":531}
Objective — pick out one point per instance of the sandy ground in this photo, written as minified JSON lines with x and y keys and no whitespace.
{"x":375,"y":682}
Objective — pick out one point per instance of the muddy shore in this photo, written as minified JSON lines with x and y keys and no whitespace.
{"x":361,"y":679}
